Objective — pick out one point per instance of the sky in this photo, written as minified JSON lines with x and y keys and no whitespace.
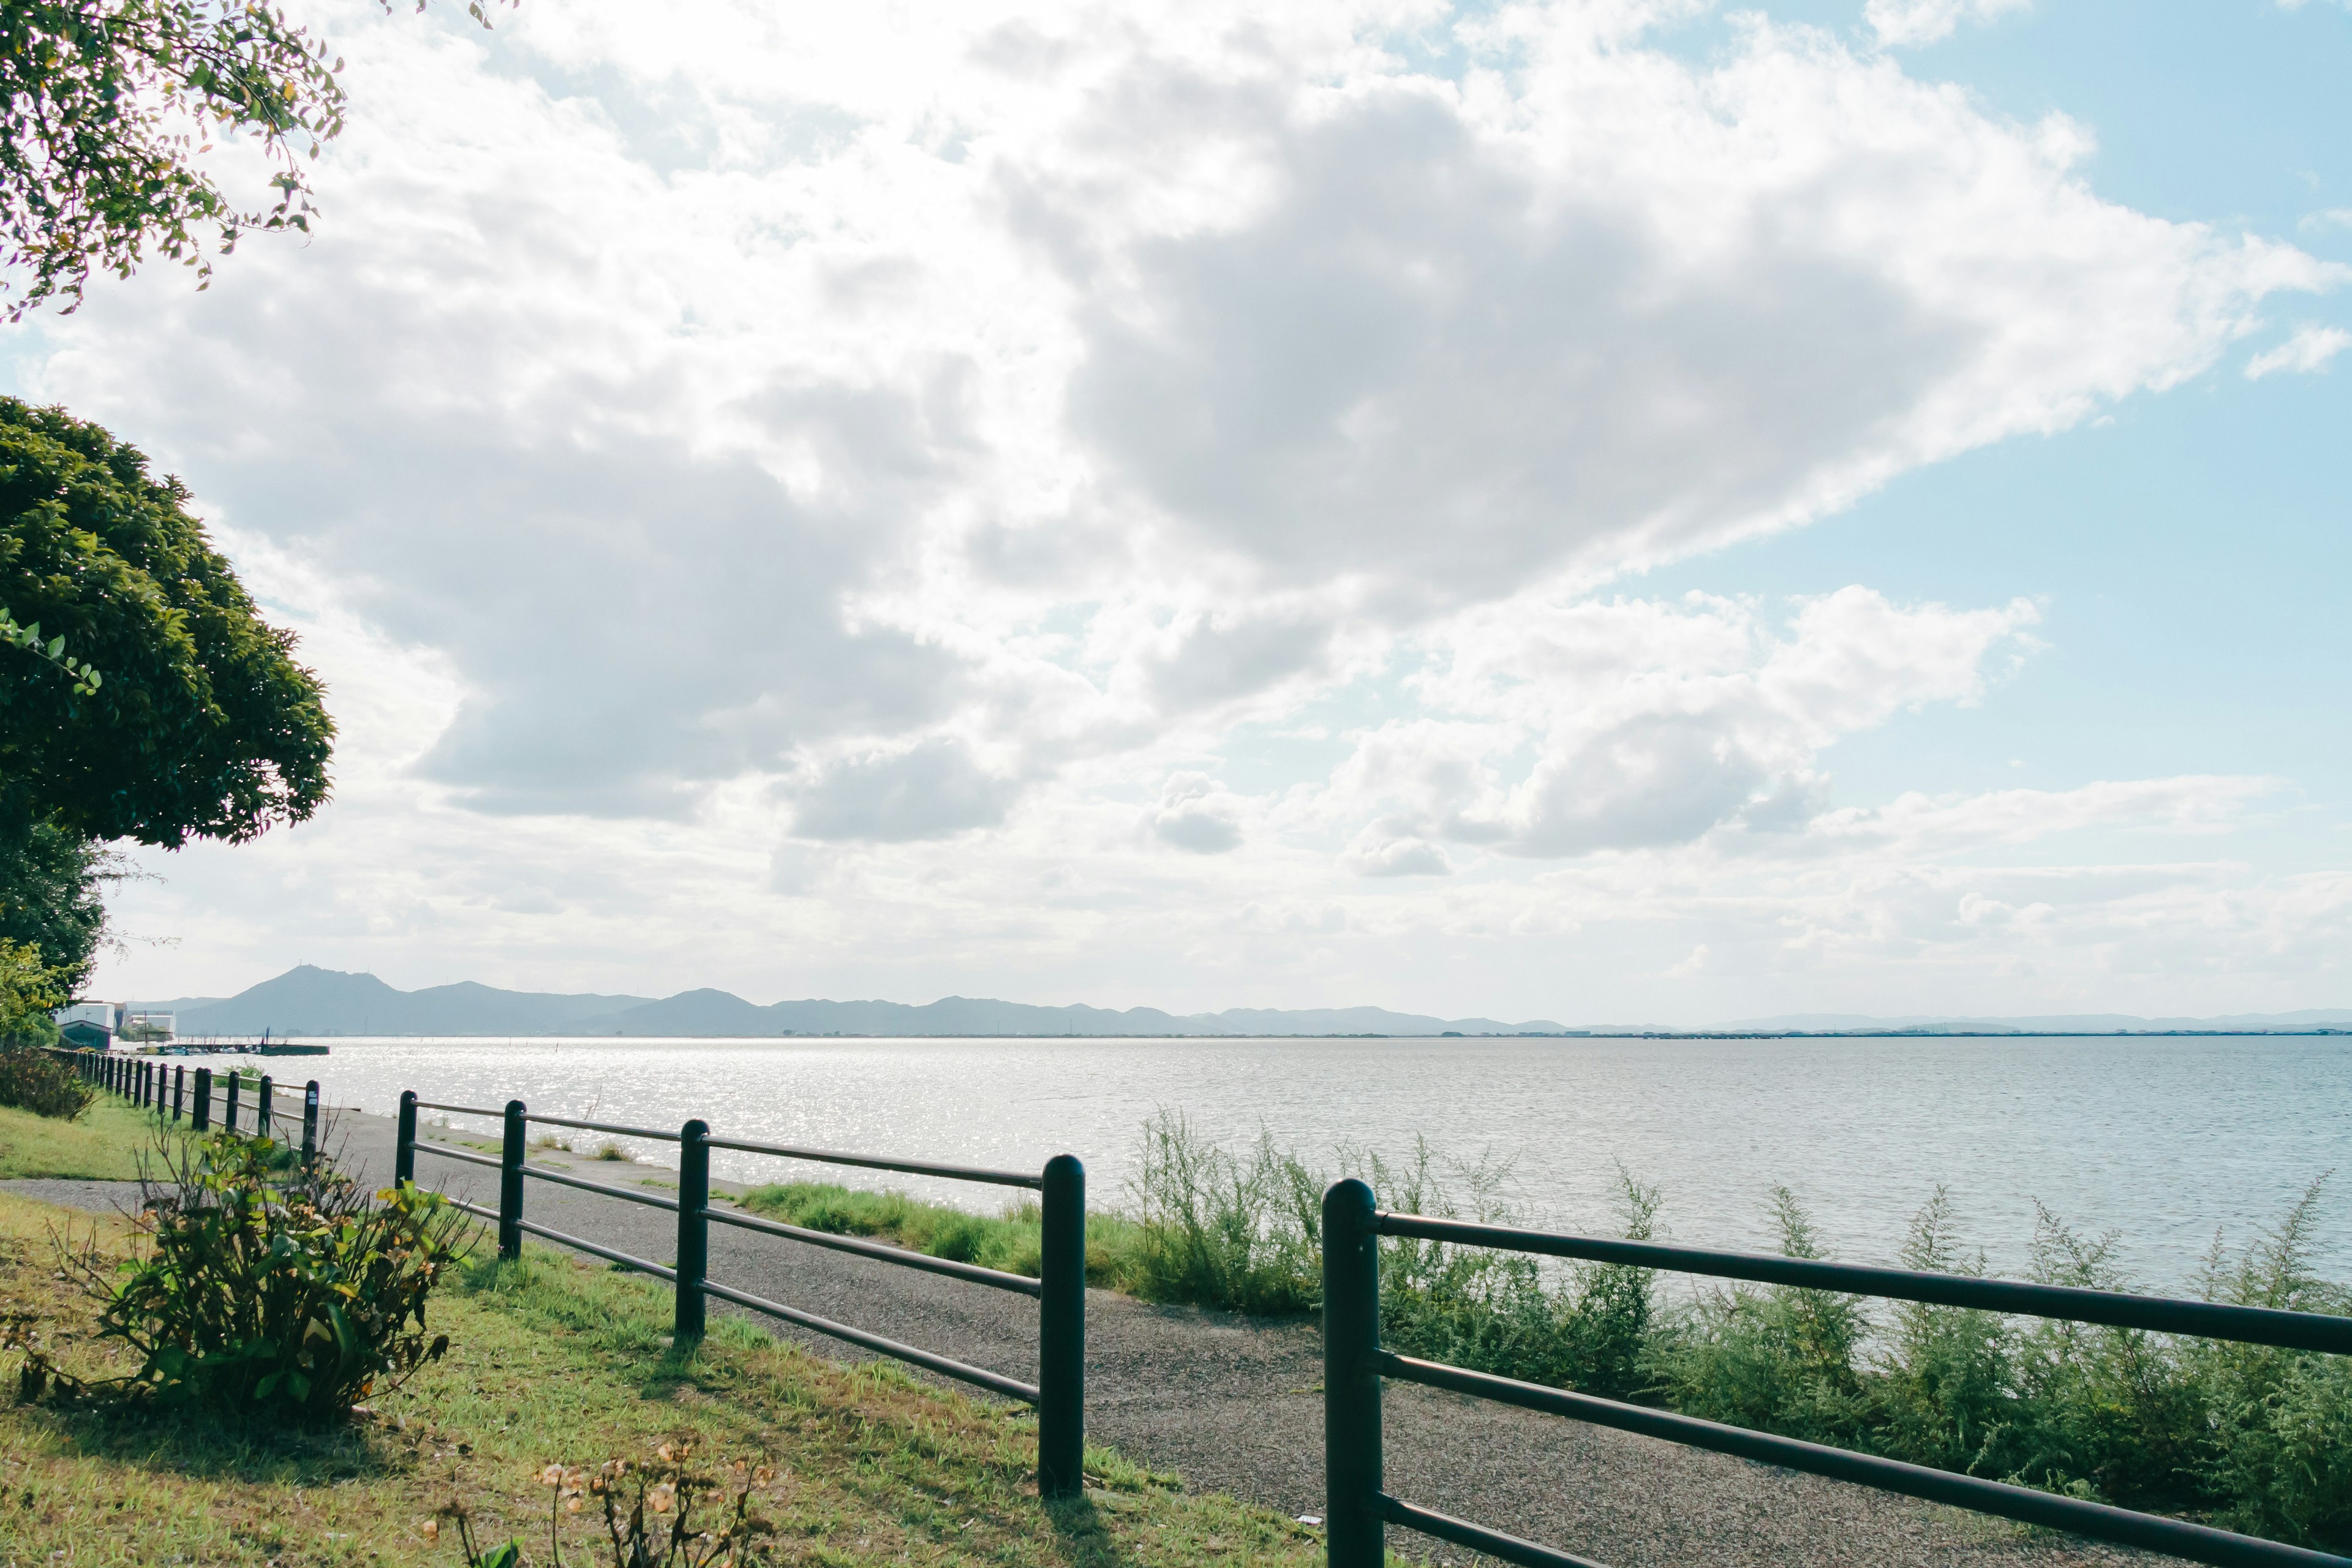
{"x":1608,"y":510}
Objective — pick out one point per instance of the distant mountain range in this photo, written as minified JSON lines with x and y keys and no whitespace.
{"x":2054,"y":1023}
{"x":310,"y":1001}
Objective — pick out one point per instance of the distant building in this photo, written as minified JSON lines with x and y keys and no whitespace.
{"x":92,"y":1026}
{"x":149,"y":1028}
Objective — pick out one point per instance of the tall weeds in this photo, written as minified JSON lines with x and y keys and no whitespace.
{"x":2253,"y":1438}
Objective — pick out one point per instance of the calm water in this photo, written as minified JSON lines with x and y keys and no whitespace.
{"x":2163,"y":1140}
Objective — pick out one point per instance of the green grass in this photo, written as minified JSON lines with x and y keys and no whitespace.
{"x":102,"y":1145}
{"x":554,"y":1360}
{"x":1010,"y":1240}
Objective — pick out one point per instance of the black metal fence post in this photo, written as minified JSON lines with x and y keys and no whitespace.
{"x":179,"y":1091}
{"x":236,"y":1081}
{"x":202,"y":1119}
{"x":1062,"y":1330}
{"x":693,"y":1264}
{"x":510,"y":1184}
{"x":403,"y":1145}
{"x":309,"y":1123}
{"x":262,"y":1119}
{"x":1355,"y":1537}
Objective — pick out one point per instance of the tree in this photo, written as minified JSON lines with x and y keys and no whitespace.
{"x":205,"y":726}
{"x":52,"y":902}
{"x":104,"y":106}
{"x":140,"y":695}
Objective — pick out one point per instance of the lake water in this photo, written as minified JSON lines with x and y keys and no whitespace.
{"x":2164,"y":1140}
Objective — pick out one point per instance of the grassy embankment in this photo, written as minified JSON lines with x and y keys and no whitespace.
{"x":104,"y":1145}
{"x":2255,"y":1439}
{"x":554,"y":1360}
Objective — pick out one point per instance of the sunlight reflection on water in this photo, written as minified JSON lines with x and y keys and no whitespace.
{"x":2162,"y":1139}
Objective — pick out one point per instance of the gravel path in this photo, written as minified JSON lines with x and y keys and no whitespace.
{"x":1234,"y":1405}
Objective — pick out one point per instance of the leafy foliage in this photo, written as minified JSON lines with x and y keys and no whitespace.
{"x":268,"y":1290}
{"x":84,"y":679}
{"x":105,"y":107}
{"x":206,"y":726}
{"x":52,"y":900}
{"x":32,"y":1080}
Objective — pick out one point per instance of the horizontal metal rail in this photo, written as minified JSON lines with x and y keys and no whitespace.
{"x":446,"y":1153}
{"x":2208,"y":1319}
{"x":1476,"y":1537}
{"x":2179,"y":1538}
{"x":563,"y":1238}
{"x":650,"y":1200}
{"x":897,"y":1255}
{"x":460,"y":1109}
{"x":962,"y":1372}
{"x":875,"y":1162}
{"x":593,"y":1126}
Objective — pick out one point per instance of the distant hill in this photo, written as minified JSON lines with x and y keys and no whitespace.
{"x":2049,"y":1024}
{"x":312,"y":1001}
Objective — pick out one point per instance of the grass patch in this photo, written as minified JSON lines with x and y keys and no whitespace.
{"x":1010,"y":1240}
{"x":873,"y":1466}
{"x":102,"y":1145}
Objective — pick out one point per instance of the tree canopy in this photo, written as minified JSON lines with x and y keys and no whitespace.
{"x":105,"y":106}
{"x":203,"y":724}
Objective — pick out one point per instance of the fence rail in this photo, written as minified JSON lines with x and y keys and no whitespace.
{"x":1359,"y":1509}
{"x":1059,"y":1392}
{"x":171,"y":1091}
{"x":1355,"y":1367}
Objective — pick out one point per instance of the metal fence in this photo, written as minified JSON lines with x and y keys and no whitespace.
{"x":176,"y":1092}
{"x":1354,"y":1365}
{"x":1358,"y":1507}
{"x":1059,"y":1392}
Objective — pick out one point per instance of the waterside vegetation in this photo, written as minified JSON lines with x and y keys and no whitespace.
{"x":2251,"y":1439}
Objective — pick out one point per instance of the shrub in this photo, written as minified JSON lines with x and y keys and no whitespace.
{"x":2278,"y":1458}
{"x":284,"y":1298}
{"x":32,"y":1080}
{"x":1223,"y":1230}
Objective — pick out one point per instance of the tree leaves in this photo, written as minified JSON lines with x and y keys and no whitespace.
{"x":103,"y":106}
{"x":203,"y":725}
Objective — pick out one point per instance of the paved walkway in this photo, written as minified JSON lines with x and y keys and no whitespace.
{"x":1234,"y":1405}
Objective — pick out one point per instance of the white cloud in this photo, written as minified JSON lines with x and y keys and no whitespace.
{"x":2309,"y":350}
{"x":1588,"y":726}
{"x":1198,"y":813}
{"x":852,"y":467}
{"x":1898,"y":23}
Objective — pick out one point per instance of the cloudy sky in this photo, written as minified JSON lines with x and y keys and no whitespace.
{"x":1610,"y":509}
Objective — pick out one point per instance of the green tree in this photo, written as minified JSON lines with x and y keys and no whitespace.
{"x":27,"y":991}
{"x":105,"y":107}
{"x":52,"y":884}
{"x":205,"y":726}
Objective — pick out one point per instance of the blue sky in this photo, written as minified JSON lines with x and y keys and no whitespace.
{"x":2194,"y":550}
{"x":1597,"y":509}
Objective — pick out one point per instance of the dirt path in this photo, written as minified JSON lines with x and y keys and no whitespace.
{"x":1234,"y":1405}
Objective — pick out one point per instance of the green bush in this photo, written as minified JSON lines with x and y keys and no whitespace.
{"x":263,"y":1292}
{"x":32,"y":1080}
{"x":1217,"y":1229}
